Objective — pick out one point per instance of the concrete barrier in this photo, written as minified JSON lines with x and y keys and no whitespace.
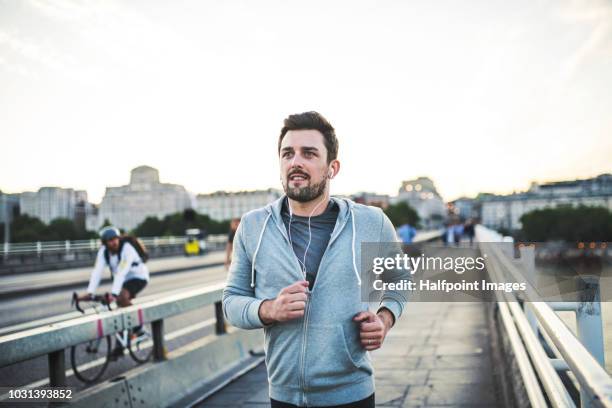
{"x":185,"y":371}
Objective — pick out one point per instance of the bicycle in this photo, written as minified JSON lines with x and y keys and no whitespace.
{"x":89,"y":360}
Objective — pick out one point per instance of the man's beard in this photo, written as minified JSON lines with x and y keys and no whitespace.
{"x":305,"y":194}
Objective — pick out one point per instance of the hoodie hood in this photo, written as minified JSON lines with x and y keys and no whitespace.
{"x":345,"y":213}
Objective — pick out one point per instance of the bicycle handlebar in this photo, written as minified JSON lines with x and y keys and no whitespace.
{"x":102,"y":299}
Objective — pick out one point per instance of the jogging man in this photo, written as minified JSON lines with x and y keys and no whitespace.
{"x":128,"y":269}
{"x":294,"y":272}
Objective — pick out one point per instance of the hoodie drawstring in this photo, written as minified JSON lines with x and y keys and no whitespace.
{"x":353,"y":247}
{"x":261,"y":237}
{"x":257,"y":250}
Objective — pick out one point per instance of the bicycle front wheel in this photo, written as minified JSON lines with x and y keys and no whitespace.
{"x":90,"y":359}
{"x":141,"y":346}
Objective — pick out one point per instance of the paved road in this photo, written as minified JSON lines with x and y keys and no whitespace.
{"x":56,"y":305}
{"x":16,"y":283}
{"x":51,"y":302}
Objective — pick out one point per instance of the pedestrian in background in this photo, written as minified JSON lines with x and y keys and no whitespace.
{"x":457,"y":232}
{"x":468,"y":230}
{"x":406,"y":232}
{"x":449,"y":233}
{"x":229,"y":246}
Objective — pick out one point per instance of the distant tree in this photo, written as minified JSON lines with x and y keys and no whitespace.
{"x":178,"y":223}
{"x":189,"y":215}
{"x":25,"y":228}
{"x":567,"y":223}
{"x":402,"y":213}
{"x":212,"y":226}
{"x":150,"y":227}
{"x":61,"y":229}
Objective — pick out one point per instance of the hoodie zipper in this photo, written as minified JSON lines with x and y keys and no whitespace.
{"x":306,"y":313}
{"x":305,"y":322}
{"x":305,"y":330}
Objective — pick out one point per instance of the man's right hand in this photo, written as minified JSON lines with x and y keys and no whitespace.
{"x":288,"y":305}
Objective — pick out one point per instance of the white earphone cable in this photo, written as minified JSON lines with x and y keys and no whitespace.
{"x":303,"y":262}
{"x":310,"y":234}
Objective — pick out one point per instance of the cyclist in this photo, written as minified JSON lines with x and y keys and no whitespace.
{"x":129,"y":272}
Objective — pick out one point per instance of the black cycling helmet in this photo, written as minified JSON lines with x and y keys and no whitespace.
{"x":108,"y":233}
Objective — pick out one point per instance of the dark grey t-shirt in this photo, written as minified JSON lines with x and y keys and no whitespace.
{"x":321,"y":227}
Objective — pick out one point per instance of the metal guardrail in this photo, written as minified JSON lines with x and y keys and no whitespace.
{"x":535,"y":332}
{"x":43,"y":247}
{"x":54,"y":339}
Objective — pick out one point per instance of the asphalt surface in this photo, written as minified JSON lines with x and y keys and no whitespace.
{"x":20,"y":284}
{"x":24,"y":312}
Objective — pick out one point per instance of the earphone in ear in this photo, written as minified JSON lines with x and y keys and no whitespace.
{"x":330,"y":174}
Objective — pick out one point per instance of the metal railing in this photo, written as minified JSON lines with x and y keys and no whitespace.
{"x":43,"y":247}
{"x":53,"y":340}
{"x":544,"y":347}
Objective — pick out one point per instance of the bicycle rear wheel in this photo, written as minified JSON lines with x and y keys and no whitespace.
{"x":90,"y":359}
{"x":141,"y":347}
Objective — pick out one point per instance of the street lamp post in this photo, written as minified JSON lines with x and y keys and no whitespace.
{"x":7,"y":228}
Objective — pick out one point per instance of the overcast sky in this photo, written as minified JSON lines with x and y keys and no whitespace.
{"x":478,"y":95}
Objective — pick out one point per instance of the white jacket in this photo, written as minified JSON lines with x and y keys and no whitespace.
{"x":131,"y":267}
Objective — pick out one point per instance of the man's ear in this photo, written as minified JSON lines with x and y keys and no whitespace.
{"x":334,"y":169}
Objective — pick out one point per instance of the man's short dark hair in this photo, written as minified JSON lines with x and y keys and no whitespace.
{"x":312,"y":121}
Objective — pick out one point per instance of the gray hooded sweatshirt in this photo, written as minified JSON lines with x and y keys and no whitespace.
{"x":315,"y":360}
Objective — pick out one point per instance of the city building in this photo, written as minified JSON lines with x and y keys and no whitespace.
{"x":464,"y":208}
{"x":374,"y":199}
{"x":49,"y":203}
{"x":9,"y":206}
{"x":505,"y":211}
{"x":145,"y":196}
{"x":421,"y":194}
{"x":224,"y":205}
{"x":86,"y":212}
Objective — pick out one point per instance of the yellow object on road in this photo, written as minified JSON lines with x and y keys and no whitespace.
{"x":194,"y":244}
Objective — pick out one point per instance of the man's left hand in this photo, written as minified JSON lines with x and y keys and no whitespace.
{"x":372,"y":329}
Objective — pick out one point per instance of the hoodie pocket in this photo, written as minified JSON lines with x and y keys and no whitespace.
{"x":334,"y":357}
{"x":282,"y":345}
